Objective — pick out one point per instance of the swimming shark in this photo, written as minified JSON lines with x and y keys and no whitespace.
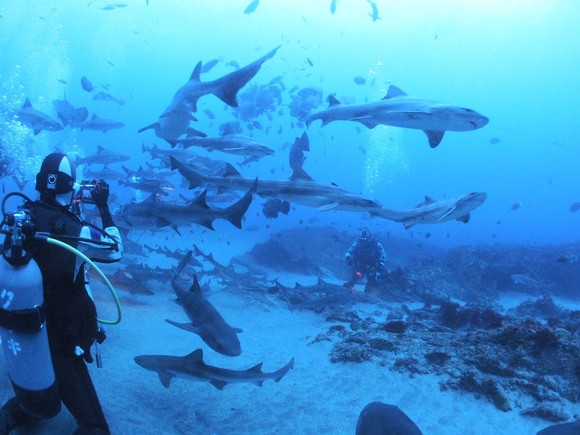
{"x":433,"y":212}
{"x":153,"y":213}
{"x":36,"y":120}
{"x":229,"y":143}
{"x":174,"y":121}
{"x":100,"y":124}
{"x":300,"y":188}
{"x":102,"y":156}
{"x":401,"y":110}
{"x":192,"y":367}
{"x":205,"y":320}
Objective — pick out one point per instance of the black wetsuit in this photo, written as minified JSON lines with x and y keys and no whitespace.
{"x":71,"y":320}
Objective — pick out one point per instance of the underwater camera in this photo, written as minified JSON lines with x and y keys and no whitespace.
{"x":86,"y":187}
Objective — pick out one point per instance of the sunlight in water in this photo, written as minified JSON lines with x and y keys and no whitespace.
{"x":385,"y":159}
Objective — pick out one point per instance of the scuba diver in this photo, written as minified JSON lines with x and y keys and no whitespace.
{"x":68,"y":307}
{"x":366,"y":256}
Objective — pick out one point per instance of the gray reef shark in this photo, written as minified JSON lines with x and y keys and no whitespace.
{"x":36,"y":120}
{"x":401,"y":110}
{"x":433,"y":212}
{"x":205,"y":320}
{"x":192,"y":367}
{"x":153,"y":213}
{"x":174,"y":121}
{"x":102,"y":156}
{"x":299,"y":189}
{"x":229,"y":143}
{"x":99,"y":124}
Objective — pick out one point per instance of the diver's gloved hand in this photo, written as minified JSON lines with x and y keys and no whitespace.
{"x":100,"y":193}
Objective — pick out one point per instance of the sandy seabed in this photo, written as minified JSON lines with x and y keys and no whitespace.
{"x":316,"y":397}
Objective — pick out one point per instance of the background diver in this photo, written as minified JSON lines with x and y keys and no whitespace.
{"x":366,"y":256}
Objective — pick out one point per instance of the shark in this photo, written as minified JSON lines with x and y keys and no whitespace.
{"x":236,"y":144}
{"x":68,"y":114}
{"x":102,"y":156}
{"x":153,"y":213}
{"x":431,"y":211}
{"x":192,"y":367}
{"x":174,"y":121}
{"x":36,"y":120}
{"x":205,"y":320}
{"x":300,"y":188}
{"x":401,"y":110}
{"x":99,"y":124}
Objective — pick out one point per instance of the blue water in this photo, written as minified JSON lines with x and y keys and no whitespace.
{"x":514,"y":62}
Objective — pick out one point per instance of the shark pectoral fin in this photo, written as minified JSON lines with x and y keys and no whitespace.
{"x":36,"y":132}
{"x":434,"y":137}
{"x":185,"y":326}
{"x":238,"y":330}
{"x":175,"y":228}
{"x":465,"y":218}
{"x":367,"y":122}
{"x":328,"y":206}
{"x":408,"y":225}
{"x":218,"y":384}
{"x":165,"y":379}
{"x":442,"y":218}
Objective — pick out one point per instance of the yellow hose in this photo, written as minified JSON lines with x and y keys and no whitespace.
{"x":99,"y":272}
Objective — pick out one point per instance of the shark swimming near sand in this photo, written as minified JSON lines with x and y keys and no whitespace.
{"x":401,"y":110}
{"x":192,"y":367}
{"x":205,"y":320}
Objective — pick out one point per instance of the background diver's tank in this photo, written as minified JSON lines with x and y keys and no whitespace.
{"x":23,"y":328}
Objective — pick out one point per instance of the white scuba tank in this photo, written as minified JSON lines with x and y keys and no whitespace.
{"x":27,"y":353}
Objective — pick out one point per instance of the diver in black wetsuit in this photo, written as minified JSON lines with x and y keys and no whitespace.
{"x":70,"y":312}
{"x":366,"y":256}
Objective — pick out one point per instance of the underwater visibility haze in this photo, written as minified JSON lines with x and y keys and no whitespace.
{"x":262,"y":136}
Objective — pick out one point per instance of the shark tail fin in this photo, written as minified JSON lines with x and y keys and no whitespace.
{"x":236,"y":212}
{"x":228,"y":86}
{"x":195,"y":179}
{"x":149,"y":127}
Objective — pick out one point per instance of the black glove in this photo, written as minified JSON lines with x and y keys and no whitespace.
{"x":100,"y":194}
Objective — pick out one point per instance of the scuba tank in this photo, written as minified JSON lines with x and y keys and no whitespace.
{"x":22,"y":323}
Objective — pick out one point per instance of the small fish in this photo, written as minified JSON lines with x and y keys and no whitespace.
{"x":567,"y":259}
{"x":87,"y":85}
{"x":375,"y":13}
{"x":494,"y":140}
{"x":427,"y":235}
{"x":251,"y":7}
{"x":209,"y":114}
{"x":575,"y":207}
{"x":64,"y":82}
{"x":309,"y":62}
{"x":516,"y":205}
{"x":359,"y":80}
{"x":333,"y":6}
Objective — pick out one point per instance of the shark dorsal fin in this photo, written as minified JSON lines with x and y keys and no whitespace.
{"x":100,"y":148}
{"x":196,"y":72}
{"x":256,"y":369}
{"x":332,"y":101}
{"x":196,"y":355}
{"x":321,"y":281}
{"x":429,"y":200}
{"x":394,"y":92}
{"x":230,"y":171}
{"x":95,"y":116}
{"x":195,"y":288}
{"x":201,"y":200}
{"x":27,"y":104}
{"x":300,"y":174}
